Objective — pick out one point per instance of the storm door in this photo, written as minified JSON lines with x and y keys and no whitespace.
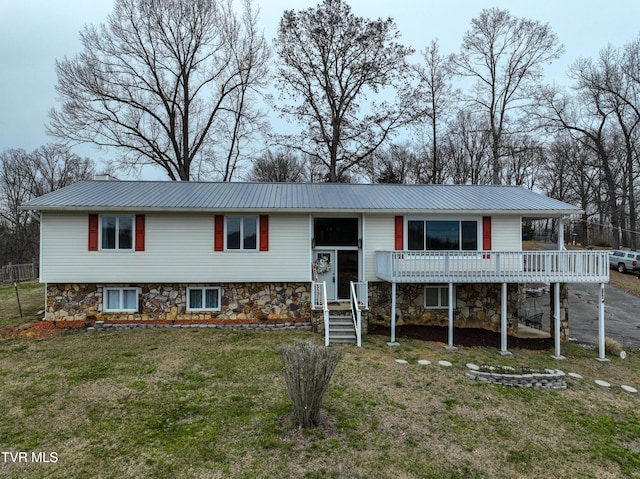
{"x":336,"y":254}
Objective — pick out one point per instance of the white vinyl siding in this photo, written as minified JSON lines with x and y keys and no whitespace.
{"x":179,"y":248}
{"x":506,"y":233}
{"x":379,"y":235}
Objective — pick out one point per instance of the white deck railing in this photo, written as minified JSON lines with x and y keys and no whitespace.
{"x":493,"y":266}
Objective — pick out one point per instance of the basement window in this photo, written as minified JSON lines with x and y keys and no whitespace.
{"x":123,"y":300}
{"x":203,"y":299}
{"x":436,"y":296}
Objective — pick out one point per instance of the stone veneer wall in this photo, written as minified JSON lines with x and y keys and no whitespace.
{"x":251,"y":302}
{"x":478,"y":305}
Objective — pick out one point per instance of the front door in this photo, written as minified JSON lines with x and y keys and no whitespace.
{"x":336,"y":254}
{"x":347,"y":272}
{"x":325,"y":263}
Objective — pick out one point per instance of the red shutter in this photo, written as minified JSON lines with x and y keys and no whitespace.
{"x":93,"y":232}
{"x":139,"y":232}
{"x":264,"y":233}
{"x":399,"y":233}
{"x":218,"y":238}
{"x":486,"y":234}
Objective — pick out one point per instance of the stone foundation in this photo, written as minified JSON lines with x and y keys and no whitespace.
{"x":250,"y":302}
{"x":476,"y":306}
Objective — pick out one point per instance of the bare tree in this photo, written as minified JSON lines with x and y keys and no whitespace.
{"x":158,"y":77}
{"x":330,"y":63}
{"x":396,"y":163}
{"x":434,"y":94}
{"x":280,"y":166}
{"x":24,"y":176}
{"x":467,"y":144}
{"x":587,"y":118}
{"x":504,"y":55}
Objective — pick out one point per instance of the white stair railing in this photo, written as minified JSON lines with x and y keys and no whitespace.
{"x":319,"y":300}
{"x":356,"y":312}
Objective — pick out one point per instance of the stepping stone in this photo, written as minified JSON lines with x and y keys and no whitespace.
{"x":575,"y":375}
{"x":402,"y":361}
{"x":473,"y":367}
{"x":629,"y":389}
{"x":602,"y":383}
{"x":444,"y":363}
{"x":424,"y":362}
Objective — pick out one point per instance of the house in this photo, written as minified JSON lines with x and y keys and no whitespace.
{"x":277,"y":252}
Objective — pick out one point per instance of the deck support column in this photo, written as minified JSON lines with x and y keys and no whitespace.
{"x":556,"y":323}
{"x":601,"y":345}
{"x":393,"y":316}
{"x":450,"y":346}
{"x":503,"y":323}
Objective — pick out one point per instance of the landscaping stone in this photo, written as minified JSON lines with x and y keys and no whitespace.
{"x":551,"y":379}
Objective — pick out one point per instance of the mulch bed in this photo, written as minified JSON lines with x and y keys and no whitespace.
{"x":461,"y":336}
{"x":464,"y":337}
{"x":40,"y":329}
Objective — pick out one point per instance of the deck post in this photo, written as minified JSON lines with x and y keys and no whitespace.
{"x":556,"y":316}
{"x":503,"y":323}
{"x":450,"y":346}
{"x":393,"y":316}
{"x":601,"y":342}
{"x":561,"y":234}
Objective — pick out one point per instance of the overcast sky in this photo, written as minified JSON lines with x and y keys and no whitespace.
{"x":34,"y":33}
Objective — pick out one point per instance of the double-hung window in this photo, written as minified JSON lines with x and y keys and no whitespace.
{"x":117,"y":232}
{"x":203,"y":299}
{"x":436,"y":296}
{"x":121,"y":300}
{"x":448,"y":235}
{"x":242,"y":232}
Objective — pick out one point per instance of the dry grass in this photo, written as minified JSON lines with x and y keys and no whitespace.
{"x":205,"y":403}
{"x":31,"y":296}
{"x":626,"y":282}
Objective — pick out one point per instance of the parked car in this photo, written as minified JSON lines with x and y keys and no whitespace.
{"x":624,"y":261}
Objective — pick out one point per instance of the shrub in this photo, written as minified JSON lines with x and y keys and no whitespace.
{"x":611,"y":346}
{"x":308,"y":368}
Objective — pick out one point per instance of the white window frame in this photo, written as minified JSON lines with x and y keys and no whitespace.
{"x":203,"y":290}
{"x":120,"y":308}
{"x":242,"y":218}
{"x":133,"y":232}
{"x":439,"y":287}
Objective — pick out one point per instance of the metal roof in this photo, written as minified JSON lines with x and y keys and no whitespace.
{"x":298,"y":197}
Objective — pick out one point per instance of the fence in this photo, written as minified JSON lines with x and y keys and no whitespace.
{"x":18,"y":272}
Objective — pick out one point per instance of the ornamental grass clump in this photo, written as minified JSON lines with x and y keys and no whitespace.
{"x":308,"y":368}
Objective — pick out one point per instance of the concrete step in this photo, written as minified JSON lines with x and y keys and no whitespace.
{"x":341,"y":330}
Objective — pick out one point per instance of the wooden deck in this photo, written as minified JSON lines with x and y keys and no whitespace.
{"x":493,"y":266}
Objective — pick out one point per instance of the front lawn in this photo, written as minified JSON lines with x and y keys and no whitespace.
{"x":204,"y":403}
